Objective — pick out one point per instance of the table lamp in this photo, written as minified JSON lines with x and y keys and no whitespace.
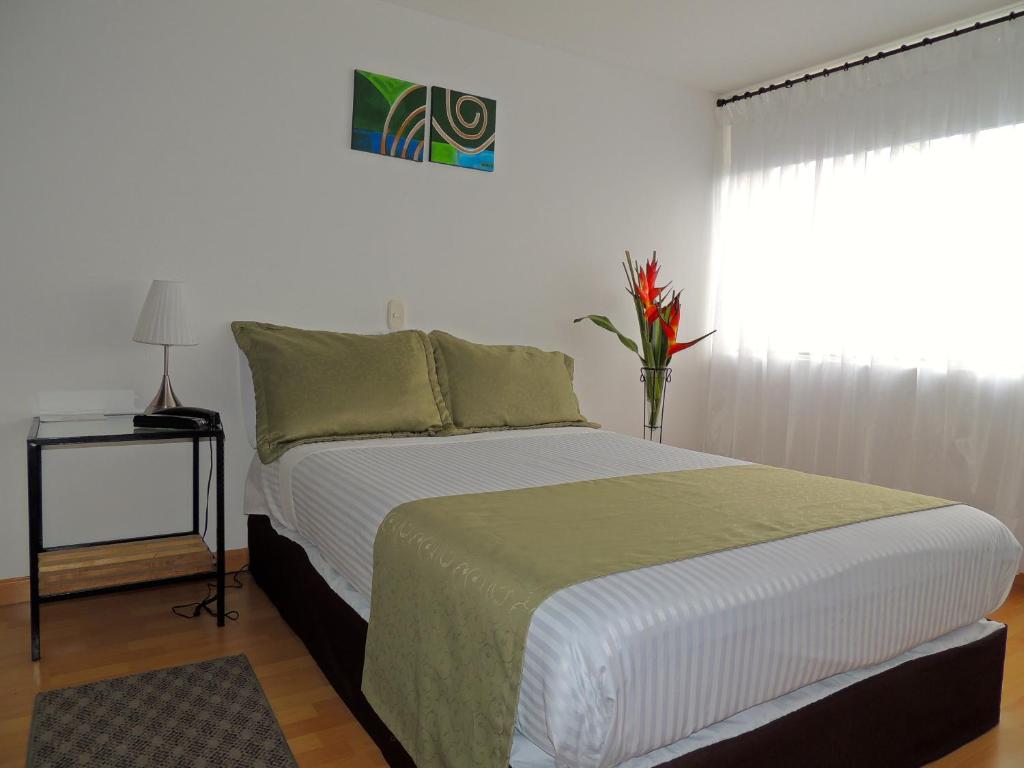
{"x":165,"y":320}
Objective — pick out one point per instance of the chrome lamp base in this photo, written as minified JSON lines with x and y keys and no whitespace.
{"x":165,"y":397}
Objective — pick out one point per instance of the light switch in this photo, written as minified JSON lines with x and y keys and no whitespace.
{"x":396,"y":315}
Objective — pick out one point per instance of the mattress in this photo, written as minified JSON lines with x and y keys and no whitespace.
{"x":620,"y":668}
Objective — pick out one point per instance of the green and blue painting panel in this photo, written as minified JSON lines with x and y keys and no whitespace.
{"x":389,"y":116}
{"x":461,"y":129}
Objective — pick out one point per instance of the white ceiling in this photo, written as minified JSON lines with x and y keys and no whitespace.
{"x":717,"y":45}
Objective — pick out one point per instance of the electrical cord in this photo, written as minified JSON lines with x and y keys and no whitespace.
{"x":193,"y":610}
{"x":209,"y":483}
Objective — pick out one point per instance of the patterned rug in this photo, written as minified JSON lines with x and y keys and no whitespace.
{"x":207,"y":715}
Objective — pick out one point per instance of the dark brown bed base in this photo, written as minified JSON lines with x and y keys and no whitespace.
{"x":908,"y":716}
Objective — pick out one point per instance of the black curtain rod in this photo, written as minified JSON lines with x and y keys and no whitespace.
{"x":868,"y":59}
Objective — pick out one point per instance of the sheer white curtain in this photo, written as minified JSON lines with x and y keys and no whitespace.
{"x":869,"y":263}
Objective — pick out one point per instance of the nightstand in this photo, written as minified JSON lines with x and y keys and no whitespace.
{"x":75,"y":570}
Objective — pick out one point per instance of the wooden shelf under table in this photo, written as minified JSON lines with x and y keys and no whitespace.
{"x":80,"y":569}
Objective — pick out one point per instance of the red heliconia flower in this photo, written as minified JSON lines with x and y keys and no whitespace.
{"x":652,"y":303}
{"x":671,"y":328}
{"x":647,"y":290}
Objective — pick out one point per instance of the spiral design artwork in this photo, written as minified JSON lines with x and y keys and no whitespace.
{"x":389,"y":116}
{"x":461,"y":129}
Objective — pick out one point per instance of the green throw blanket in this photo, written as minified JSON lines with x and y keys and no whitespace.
{"x":456,"y":580}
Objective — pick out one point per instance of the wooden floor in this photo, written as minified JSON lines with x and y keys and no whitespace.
{"x":101,"y":637}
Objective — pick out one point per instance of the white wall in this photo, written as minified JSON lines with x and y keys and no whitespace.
{"x":208,"y":142}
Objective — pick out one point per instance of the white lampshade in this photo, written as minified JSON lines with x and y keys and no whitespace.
{"x":165,"y":318}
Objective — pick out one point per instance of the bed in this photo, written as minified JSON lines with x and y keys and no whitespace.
{"x":859,"y":645}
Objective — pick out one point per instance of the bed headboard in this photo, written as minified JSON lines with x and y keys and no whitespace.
{"x":248,"y":398}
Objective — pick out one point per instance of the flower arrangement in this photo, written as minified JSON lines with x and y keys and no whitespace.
{"x":658,"y":312}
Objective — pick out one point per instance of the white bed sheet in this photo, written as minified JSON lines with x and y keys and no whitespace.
{"x":622,"y":667}
{"x":526,"y":754}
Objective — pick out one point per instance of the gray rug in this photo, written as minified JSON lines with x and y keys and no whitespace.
{"x":207,"y":715}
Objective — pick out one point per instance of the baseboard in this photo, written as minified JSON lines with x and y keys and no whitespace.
{"x":236,"y":558}
{"x":13,"y":591}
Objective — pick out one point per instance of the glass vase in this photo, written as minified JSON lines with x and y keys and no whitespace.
{"x":655,"y":381}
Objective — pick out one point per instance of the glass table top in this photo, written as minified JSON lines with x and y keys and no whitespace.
{"x":102,"y":429}
{"x":98,"y":425}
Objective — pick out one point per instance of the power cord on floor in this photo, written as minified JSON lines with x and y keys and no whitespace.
{"x":193,"y":610}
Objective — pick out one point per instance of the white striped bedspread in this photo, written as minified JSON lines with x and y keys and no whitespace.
{"x":623,"y":665}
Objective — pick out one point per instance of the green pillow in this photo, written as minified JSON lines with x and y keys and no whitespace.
{"x":502,"y":387}
{"x":318,"y":385}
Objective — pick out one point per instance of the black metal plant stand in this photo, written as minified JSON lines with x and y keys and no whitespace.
{"x":655,"y":381}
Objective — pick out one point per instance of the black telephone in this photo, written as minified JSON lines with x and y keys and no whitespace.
{"x":180,"y":417}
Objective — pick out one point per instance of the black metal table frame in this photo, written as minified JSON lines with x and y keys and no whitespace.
{"x":35,"y":445}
